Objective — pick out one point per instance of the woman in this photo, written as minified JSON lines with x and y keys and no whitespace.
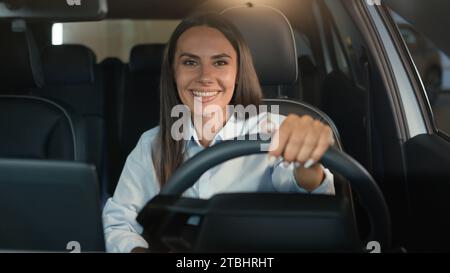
{"x":206,"y":67}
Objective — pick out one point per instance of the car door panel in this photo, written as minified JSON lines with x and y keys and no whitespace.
{"x":428,"y":163}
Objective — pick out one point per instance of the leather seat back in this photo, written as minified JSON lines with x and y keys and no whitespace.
{"x":36,"y":128}
{"x":271,"y":40}
{"x":32,"y":127}
{"x":72,"y":79}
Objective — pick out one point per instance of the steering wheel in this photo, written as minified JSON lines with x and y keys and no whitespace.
{"x":360,"y":180}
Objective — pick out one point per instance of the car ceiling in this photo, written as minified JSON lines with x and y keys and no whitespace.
{"x":177,"y":9}
{"x":155,"y":9}
{"x":430,"y":17}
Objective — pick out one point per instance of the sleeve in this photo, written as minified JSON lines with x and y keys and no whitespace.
{"x":284,"y":181}
{"x":137,"y":185}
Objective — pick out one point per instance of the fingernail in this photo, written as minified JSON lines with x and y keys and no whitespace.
{"x":297,"y":164}
{"x":286,"y":164}
{"x":309,"y":163}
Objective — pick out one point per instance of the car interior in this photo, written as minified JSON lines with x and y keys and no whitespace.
{"x":272,"y":71}
{"x":67,"y":116}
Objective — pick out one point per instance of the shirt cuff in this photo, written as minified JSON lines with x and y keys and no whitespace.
{"x":124,"y":242}
{"x":133,"y":243}
{"x":327,"y":186}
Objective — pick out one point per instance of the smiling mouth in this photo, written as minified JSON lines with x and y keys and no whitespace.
{"x":204,"y":95}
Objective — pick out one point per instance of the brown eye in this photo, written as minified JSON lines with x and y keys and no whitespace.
{"x":221,"y":63}
{"x":190,"y":63}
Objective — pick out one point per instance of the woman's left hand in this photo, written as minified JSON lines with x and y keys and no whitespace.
{"x":303,"y":141}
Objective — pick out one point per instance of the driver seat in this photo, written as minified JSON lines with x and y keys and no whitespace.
{"x":275,"y":57}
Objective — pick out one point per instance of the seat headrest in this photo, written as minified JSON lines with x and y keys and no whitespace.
{"x":68,"y":65}
{"x":146,"y":57}
{"x":269,"y":35}
{"x":20,"y":64}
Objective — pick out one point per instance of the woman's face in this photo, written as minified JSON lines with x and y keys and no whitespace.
{"x":205,"y":69}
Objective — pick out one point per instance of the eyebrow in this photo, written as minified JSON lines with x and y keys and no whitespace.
{"x":218,"y":56}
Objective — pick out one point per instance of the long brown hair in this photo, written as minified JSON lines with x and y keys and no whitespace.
{"x":168,"y":154}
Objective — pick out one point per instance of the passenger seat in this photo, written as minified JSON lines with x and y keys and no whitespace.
{"x":31,"y":127}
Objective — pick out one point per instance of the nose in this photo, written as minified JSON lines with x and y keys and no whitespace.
{"x":206,"y":74}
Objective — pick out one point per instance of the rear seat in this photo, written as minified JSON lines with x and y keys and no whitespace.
{"x":140,"y":110}
{"x":113,"y":71}
{"x":72,"y":78}
{"x":136,"y":101}
{"x":307,"y":87}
